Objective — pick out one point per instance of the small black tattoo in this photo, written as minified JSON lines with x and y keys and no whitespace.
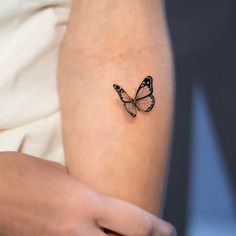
{"x":143,"y":100}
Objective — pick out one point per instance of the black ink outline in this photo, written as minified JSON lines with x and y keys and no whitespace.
{"x":127,"y":100}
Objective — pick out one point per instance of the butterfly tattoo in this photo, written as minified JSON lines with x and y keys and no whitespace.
{"x":143,"y":99}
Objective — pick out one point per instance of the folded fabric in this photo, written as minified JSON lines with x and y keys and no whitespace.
{"x":30,"y":35}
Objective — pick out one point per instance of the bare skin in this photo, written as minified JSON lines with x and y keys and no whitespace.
{"x":109,"y":157}
{"x":38,"y":198}
{"x":106,"y":43}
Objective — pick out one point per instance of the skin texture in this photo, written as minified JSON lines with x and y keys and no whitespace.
{"x":108,"y":153}
{"x":117,"y":42}
{"x":38,"y":197}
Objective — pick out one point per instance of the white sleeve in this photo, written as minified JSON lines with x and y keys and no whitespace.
{"x":30,"y":36}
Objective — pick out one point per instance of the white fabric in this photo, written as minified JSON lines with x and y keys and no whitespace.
{"x":30,"y":36}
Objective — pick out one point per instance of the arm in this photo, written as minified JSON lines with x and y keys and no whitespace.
{"x":37,"y":198}
{"x":119,"y":42}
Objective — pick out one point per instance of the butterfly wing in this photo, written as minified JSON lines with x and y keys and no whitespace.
{"x":130,"y":107}
{"x":122,"y":94}
{"x":127,"y":100}
{"x":144,"y":99}
{"x":145,"y":89}
{"x":146,"y":104}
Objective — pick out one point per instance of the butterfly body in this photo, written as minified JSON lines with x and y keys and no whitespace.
{"x":143,"y":100}
{"x":134,"y":102}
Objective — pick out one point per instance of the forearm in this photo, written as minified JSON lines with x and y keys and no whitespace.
{"x":23,"y":181}
{"x":119,"y":42}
